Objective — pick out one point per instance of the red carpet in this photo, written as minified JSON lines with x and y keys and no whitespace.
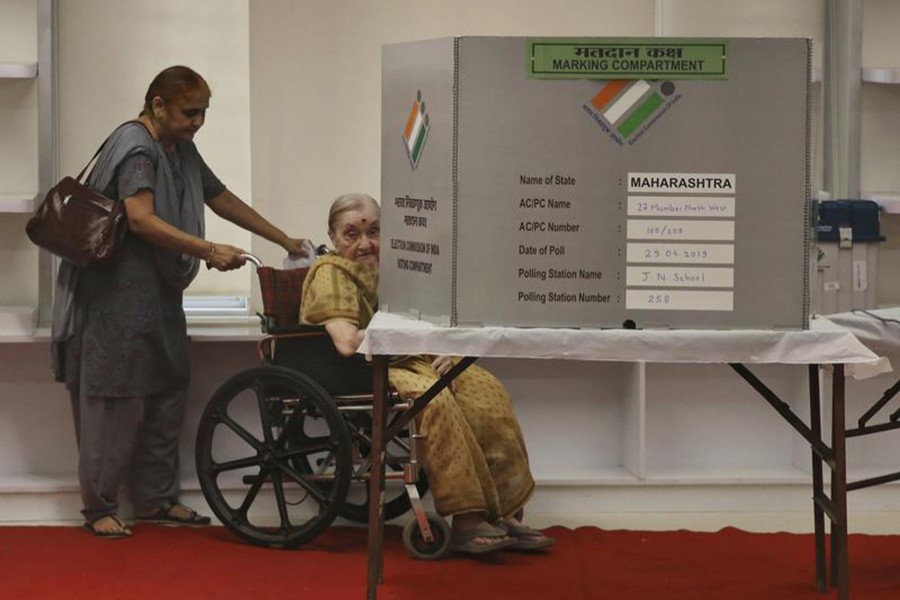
{"x":588,"y":563}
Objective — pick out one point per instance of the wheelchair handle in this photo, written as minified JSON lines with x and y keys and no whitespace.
{"x":251,"y":258}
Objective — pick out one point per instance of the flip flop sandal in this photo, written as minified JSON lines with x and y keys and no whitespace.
{"x":465,"y":540}
{"x":163,"y":516}
{"x":528,"y":538}
{"x":114,"y":534}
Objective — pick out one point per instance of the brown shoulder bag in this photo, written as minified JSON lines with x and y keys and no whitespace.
{"x":77,"y":224}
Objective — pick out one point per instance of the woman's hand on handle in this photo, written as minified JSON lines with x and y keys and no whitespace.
{"x":297,"y":246}
{"x":223,"y":257}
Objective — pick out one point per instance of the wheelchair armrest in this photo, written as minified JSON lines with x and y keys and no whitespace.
{"x":291,"y":329}
{"x":315,"y":333}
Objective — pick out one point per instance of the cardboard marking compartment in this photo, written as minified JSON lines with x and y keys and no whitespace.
{"x":524,"y":186}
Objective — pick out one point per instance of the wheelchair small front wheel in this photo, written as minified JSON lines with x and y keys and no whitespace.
{"x":415,"y":543}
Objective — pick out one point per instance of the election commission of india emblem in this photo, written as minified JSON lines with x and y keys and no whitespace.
{"x":415,"y":133}
{"x":627,"y":108}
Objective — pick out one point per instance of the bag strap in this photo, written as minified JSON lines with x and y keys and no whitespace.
{"x":100,"y":149}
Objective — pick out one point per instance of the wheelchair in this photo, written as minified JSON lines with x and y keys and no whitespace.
{"x":292,"y":438}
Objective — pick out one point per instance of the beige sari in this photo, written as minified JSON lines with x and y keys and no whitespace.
{"x":474,"y":453}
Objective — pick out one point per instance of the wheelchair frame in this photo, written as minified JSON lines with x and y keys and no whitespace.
{"x":286,"y":455}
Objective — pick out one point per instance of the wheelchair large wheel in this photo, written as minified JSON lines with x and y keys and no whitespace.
{"x":257,"y":426}
{"x":396,"y":501}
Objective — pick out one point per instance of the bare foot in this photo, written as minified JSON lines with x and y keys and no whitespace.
{"x":179,"y":511}
{"x":109,"y":526}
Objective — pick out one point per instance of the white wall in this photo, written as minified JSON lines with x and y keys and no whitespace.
{"x":110,"y":50}
{"x":18,"y":42}
{"x":315,"y":70}
{"x":760,"y":18}
{"x":736,"y":18}
{"x":18,"y":151}
{"x":880,"y":130}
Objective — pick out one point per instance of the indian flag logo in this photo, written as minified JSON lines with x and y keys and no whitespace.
{"x":416,"y":131}
{"x":630,"y":107}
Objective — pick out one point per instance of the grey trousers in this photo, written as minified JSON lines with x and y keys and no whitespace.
{"x":132,"y":441}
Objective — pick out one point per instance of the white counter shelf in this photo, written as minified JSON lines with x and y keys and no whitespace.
{"x":565,"y":475}
{"x":705,"y":476}
{"x":41,"y":483}
{"x":888,"y":201}
{"x":17,"y":321}
{"x":18,"y":70}
{"x":17,"y":202}
{"x":881,"y":74}
{"x":218,"y":333}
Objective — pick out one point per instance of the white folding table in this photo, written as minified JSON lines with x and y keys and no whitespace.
{"x":825,"y":343}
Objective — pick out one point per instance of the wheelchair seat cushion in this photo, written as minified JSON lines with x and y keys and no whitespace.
{"x":316,"y":357}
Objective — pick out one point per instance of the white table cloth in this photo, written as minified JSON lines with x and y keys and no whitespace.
{"x":826,"y":342}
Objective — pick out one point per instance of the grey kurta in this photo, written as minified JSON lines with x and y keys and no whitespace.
{"x":130,"y":337}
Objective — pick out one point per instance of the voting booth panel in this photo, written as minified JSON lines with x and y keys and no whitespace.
{"x":589,"y":182}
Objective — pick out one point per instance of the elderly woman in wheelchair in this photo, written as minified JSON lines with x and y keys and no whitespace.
{"x":474,"y":452}
{"x":278,"y":445}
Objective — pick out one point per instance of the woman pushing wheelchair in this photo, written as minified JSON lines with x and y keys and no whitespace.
{"x":119,"y":331}
{"x":474,"y":452}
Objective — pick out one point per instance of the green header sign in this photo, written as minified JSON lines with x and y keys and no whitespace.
{"x":627,"y":58}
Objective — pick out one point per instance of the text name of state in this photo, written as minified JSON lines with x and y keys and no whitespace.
{"x":548,"y":179}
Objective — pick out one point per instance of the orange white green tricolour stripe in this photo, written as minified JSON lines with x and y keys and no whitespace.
{"x":636,"y":98}
{"x":416,"y":130}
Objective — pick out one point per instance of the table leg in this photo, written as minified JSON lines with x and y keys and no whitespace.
{"x":839,"y":564}
{"x":815,"y":421}
{"x":836,"y":457}
{"x":376,"y":477}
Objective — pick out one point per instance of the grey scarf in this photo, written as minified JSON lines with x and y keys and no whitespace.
{"x":187,"y":215}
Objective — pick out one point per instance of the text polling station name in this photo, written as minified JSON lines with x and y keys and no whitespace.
{"x":627,"y":58}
